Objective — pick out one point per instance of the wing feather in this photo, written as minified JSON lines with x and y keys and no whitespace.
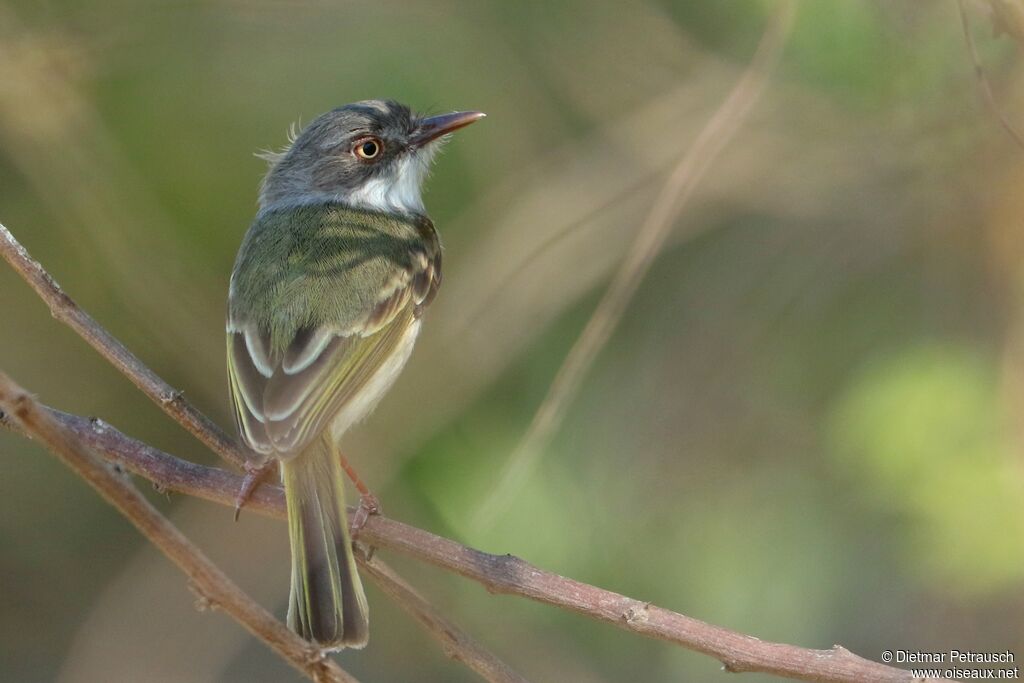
{"x":284,"y":400}
{"x":246,"y":389}
{"x":339,"y":382}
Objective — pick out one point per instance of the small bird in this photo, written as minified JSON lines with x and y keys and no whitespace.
{"x":325,"y":302}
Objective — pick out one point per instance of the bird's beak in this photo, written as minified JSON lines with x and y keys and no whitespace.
{"x":434,"y":127}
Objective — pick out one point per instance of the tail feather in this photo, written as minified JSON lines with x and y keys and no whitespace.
{"x":327,"y":603}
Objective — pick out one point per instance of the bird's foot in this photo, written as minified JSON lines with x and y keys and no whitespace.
{"x":254,"y":476}
{"x":368,"y":505}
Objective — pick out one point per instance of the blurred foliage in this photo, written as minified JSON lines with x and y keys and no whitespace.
{"x":807,"y":427}
{"x":925,"y":436}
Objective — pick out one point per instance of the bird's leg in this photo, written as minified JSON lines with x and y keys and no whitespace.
{"x":254,"y":475}
{"x":368,"y":503}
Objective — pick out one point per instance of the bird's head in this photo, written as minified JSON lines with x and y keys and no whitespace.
{"x":373,"y":155}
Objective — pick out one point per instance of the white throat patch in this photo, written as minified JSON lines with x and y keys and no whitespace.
{"x":399,"y":193}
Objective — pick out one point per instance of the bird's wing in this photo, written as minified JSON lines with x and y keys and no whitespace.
{"x":288,"y":385}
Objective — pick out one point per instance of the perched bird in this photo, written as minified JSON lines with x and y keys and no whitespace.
{"x":325,"y":303}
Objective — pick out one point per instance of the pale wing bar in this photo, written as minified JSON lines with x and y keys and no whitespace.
{"x":282,"y":402}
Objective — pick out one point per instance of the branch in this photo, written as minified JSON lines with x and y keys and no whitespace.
{"x":64,"y":309}
{"x":72,"y":437}
{"x":667,"y":207}
{"x":454,"y":642}
{"x":504,"y":574}
{"x":212,"y":585}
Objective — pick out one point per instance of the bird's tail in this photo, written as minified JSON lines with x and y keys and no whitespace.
{"x":327,"y":604}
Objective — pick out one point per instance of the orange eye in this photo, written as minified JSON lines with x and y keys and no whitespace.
{"x":367,"y":148}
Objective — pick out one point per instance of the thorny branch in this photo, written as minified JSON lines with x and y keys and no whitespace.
{"x":504,"y":574}
{"x":209,"y":582}
{"x":169,"y":399}
{"x":455,"y":644}
{"x":77,"y":439}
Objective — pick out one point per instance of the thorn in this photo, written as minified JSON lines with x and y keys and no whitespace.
{"x":203,"y":602}
{"x":637,"y":614}
{"x":171,"y":396}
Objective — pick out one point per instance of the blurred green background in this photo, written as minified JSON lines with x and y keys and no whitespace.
{"x":807,"y":427}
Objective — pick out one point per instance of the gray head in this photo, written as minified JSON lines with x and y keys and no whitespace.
{"x":373,"y":154}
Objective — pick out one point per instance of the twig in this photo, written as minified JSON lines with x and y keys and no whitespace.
{"x":456,"y":644}
{"x":168,"y":473}
{"x":174,"y":404}
{"x":500,"y":573}
{"x":64,"y":309}
{"x":983,"y":82}
{"x":214,"y":588}
{"x":503,"y":286}
{"x":652,"y":235}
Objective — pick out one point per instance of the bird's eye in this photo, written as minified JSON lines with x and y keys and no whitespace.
{"x":367,"y":148}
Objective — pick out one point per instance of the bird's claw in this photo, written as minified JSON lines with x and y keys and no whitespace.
{"x":254,"y":475}
{"x":368,"y":505}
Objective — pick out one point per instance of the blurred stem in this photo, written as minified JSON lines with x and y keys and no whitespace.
{"x":667,"y":207}
{"x":214,"y":588}
{"x":505,"y":574}
{"x":502,"y":287}
{"x":983,"y":82}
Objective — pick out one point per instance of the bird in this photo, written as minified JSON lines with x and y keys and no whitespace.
{"x":325,"y":302}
